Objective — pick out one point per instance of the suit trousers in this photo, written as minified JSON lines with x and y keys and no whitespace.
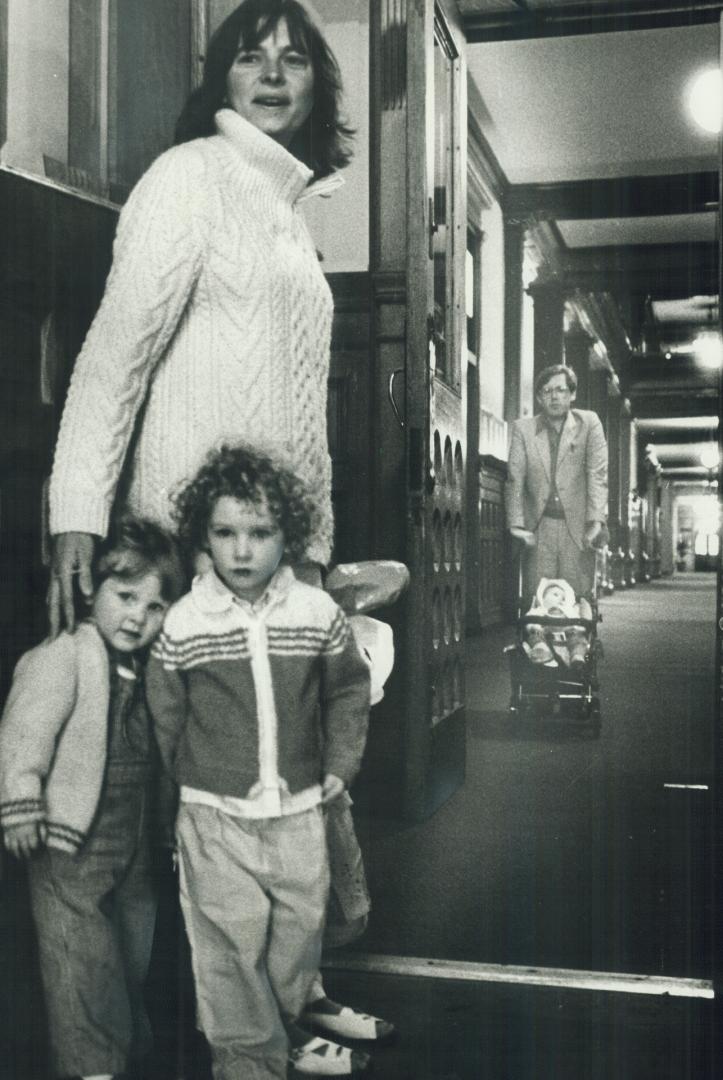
{"x":556,"y":555}
{"x":253,"y":895}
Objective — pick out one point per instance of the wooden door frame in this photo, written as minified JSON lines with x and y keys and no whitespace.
{"x":420,"y":478}
{"x":420,"y":28}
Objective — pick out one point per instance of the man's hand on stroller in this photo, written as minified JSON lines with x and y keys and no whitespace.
{"x":593,"y":529}
{"x":525,"y":535}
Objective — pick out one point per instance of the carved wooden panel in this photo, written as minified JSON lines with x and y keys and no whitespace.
{"x":491,"y":596}
{"x":445,"y":580}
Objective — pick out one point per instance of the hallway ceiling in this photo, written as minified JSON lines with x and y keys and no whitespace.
{"x":584,"y":108}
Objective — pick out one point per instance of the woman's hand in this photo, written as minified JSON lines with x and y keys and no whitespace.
{"x":72,"y":554}
{"x":331,"y":788}
{"x":22,"y":840}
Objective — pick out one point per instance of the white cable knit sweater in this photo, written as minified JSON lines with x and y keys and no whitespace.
{"x":215,"y":324}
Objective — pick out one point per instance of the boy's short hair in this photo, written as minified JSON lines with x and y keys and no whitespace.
{"x":135,"y":547}
{"x":550,"y":372}
{"x":242,"y":472}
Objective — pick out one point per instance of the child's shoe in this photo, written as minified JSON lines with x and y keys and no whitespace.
{"x":541,"y":653}
{"x":321,"y":1057}
{"x":344,"y":1022}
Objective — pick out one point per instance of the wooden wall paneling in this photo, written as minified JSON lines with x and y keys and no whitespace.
{"x":514,"y":250}
{"x":492,"y":589}
{"x":53,"y":262}
{"x":577,"y":356}
{"x":626,"y":486}
{"x":617,"y":563}
{"x":349,"y":408}
{"x":599,"y":401}
{"x":549,"y":300}
{"x":472,"y":505}
{"x":379,"y":786}
{"x":387,"y":433}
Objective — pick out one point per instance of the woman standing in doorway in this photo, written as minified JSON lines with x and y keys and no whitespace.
{"x":215,"y":324}
{"x":216,"y":318}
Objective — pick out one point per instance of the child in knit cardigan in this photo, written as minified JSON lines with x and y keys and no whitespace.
{"x":77,"y":785}
{"x":260,"y":701}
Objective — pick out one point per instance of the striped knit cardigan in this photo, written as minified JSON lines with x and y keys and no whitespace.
{"x":53,"y":737}
{"x":215,"y":324}
{"x":250,"y":697}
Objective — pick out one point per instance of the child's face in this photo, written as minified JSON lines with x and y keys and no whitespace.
{"x":553,"y":596}
{"x":245,"y":544}
{"x":129,"y":613}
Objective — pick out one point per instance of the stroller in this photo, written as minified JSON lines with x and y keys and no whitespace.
{"x":566,"y":685}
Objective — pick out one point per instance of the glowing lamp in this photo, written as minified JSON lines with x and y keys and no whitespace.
{"x":705,"y":100}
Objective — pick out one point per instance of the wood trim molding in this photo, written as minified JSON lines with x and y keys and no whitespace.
{"x":351,"y":290}
{"x":665,"y":269}
{"x":389,"y":287}
{"x":515,"y":24}
{"x":620,"y":197}
{"x":487,"y":181}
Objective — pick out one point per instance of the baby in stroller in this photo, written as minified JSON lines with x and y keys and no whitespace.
{"x":564,"y":642}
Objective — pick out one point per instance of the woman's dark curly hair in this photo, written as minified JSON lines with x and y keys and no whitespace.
{"x":135,"y":547}
{"x":324,"y":141}
{"x":251,"y":476}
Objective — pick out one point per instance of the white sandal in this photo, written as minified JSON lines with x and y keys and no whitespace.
{"x":347,"y":1023}
{"x":320,"y":1057}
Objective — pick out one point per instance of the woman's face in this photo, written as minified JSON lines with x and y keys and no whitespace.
{"x":272,"y":86}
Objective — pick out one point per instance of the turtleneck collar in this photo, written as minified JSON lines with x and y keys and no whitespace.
{"x":279,"y":168}
{"x":213,"y":596}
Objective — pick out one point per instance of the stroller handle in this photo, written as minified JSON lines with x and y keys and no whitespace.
{"x":558,"y":620}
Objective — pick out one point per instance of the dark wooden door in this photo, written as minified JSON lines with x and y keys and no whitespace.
{"x":435,"y":408}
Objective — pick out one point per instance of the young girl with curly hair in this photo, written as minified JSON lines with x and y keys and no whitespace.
{"x":260,"y":700}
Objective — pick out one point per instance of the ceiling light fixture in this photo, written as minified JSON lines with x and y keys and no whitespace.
{"x":708,"y":349}
{"x":710,"y":456}
{"x":705,"y":100}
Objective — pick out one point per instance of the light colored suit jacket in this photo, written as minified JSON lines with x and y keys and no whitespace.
{"x":582,"y":472}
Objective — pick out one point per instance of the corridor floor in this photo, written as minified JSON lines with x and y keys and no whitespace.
{"x":559,"y":851}
{"x":566,"y":851}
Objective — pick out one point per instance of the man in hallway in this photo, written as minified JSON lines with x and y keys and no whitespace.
{"x":557,"y":484}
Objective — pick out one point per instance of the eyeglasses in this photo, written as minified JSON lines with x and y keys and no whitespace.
{"x":550,"y":391}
